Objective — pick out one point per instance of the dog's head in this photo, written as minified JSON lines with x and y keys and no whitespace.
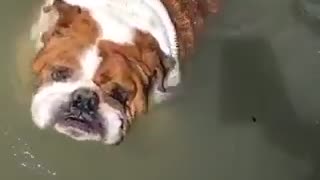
{"x":88,"y":88}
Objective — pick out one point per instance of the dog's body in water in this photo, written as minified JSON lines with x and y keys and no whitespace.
{"x":100,"y":63}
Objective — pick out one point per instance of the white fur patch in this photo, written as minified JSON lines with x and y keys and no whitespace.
{"x":113,"y":127}
{"x":90,"y":63}
{"x":118,"y":20}
{"x":49,"y":97}
{"x":81,"y":135}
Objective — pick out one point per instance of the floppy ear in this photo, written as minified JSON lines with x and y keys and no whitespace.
{"x":152,"y":56}
{"x":139,"y":103}
{"x":152,"y":65}
{"x":65,"y":13}
{"x":157,"y":75}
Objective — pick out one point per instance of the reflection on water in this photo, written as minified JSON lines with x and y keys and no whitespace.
{"x":258,"y":59}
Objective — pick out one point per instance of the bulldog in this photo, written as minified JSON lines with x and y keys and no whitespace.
{"x":100,"y":63}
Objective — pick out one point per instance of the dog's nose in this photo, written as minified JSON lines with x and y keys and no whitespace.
{"x":85,"y":100}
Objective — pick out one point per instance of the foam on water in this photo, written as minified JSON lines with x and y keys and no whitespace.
{"x":22,"y":154}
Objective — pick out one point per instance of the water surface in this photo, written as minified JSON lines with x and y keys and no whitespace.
{"x":248,"y":108}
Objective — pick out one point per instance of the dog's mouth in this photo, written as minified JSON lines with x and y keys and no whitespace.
{"x":83,"y":125}
{"x":80,"y":125}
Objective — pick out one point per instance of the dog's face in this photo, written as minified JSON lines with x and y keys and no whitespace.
{"x":71,"y":99}
{"x":91,"y":89}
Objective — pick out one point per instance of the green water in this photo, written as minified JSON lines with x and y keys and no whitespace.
{"x":248,"y":108}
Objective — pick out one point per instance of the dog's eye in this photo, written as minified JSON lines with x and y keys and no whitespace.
{"x":120,"y":94}
{"x":60,"y":74}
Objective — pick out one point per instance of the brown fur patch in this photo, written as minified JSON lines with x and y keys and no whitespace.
{"x":133,"y":68}
{"x":188,"y":17}
{"x":74,"y":31}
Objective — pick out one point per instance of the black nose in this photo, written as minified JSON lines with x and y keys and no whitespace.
{"x":85,"y":99}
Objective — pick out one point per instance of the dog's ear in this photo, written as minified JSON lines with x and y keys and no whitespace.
{"x":66,"y":15}
{"x":155,"y":59}
{"x":159,"y":71}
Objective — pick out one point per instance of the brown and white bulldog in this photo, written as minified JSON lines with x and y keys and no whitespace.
{"x":99,"y":62}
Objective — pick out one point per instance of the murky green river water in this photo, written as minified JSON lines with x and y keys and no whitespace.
{"x":249,"y":108}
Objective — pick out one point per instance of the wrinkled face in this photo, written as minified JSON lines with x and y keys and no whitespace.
{"x":93,"y":93}
{"x":91,"y":89}
{"x":70,"y":100}
{"x":67,"y":97}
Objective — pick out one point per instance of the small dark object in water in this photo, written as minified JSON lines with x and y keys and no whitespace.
{"x":254,"y":119}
